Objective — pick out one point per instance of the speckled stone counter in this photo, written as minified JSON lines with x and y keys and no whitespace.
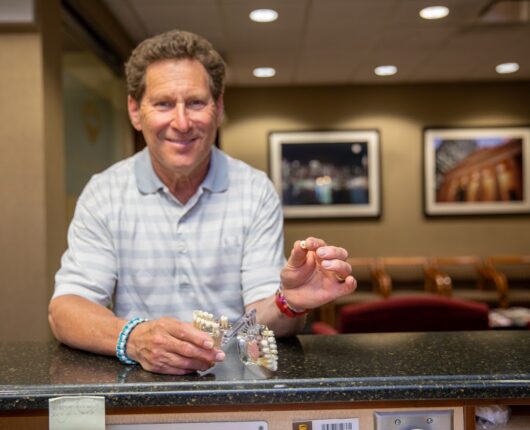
{"x":345,"y":368}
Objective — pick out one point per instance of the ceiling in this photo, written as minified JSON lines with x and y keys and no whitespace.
{"x":335,"y":42}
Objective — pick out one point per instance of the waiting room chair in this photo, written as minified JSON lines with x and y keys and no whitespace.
{"x":368,"y":289}
{"x":408,"y":314}
{"x":469,"y":277}
{"x":403,"y":276}
{"x":385,"y":277}
{"x":511,"y":273}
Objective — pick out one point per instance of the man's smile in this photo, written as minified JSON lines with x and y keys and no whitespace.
{"x":181,"y":141}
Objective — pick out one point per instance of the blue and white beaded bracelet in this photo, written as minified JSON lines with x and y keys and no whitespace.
{"x":121,"y":345}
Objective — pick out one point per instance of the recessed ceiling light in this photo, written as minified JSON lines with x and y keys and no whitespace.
{"x":263,"y":15}
{"x":264,"y":72}
{"x":434,"y":12}
{"x":385,"y":70}
{"x":507,"y":68}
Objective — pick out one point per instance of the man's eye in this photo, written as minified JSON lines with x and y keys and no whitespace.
{"x":164,"y":105}
{"x":196,"y":104}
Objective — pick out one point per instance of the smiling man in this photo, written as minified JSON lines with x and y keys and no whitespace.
{"x":182,"y":226}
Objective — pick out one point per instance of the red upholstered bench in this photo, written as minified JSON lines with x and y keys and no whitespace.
{"x":409,"y":313}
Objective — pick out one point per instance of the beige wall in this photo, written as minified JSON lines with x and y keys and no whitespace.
{"x":400,"y":113}
{"x":32,"y":214}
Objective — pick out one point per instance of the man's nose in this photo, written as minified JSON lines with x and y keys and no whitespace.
{"x":180,"y":120}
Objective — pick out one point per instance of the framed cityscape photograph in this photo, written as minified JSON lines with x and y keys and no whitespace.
{"x":476,"y":171}
{"x":332,"y":174}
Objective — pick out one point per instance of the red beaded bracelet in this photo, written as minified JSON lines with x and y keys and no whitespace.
{"x":284,"y":307}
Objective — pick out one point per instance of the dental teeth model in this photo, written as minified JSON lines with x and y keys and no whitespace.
{"x":258,"y":346}
{"x":256,"y":343}
{"x":215,"y":328}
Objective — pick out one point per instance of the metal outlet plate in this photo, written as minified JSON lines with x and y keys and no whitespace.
{"x":414,"y":420}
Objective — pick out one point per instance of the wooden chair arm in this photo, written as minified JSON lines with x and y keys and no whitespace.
{"x":499,"y":282}
{"x":438,"y":282}
{"x":382,"y":281}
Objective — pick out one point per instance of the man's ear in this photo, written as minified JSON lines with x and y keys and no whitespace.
{"x":133,"y":106}
{"x":220,"y":108}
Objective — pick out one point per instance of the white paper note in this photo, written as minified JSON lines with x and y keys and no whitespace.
{"x":77,"y":413}
{"x":226,"y":425}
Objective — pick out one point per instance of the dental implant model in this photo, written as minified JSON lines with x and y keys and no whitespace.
{"x":256,"y":343}
{"x":215,"y":328}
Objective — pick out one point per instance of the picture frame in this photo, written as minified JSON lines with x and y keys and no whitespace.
{"x":476,"y":171}
{"x":327,"y":174}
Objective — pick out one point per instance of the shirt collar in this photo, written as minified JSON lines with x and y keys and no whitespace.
{"x":148,"y":181}
{"x":216,"y":180}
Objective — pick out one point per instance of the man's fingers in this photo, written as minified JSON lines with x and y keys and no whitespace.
{"x":347,"y":286}
{"x":186,"y":332}
{"x":300,"y":249}
{"x":191,"y":343}
{"x":191,"y":357}
{"x":332,"y":252}
{"x":340,"y":278}
{"x":310,"y":243}
{"x":341,"y":268}
{"x":176,"y":347}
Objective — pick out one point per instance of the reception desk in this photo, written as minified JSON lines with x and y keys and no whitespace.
{"x":345,"y":377}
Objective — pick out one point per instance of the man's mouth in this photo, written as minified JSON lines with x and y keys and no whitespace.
{"x":181,"y":141}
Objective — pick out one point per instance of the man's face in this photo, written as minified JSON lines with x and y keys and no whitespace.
{"x":178,"y":118}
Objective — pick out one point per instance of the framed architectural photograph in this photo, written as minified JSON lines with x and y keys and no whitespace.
{"x":476,"y":171}
{"x":321,"y":174}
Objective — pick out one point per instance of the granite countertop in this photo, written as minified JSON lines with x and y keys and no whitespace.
{"x":344,"y":368}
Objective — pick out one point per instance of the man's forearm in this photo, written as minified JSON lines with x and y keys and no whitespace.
{"x":268,"y":314}
{"x":82,"y":324}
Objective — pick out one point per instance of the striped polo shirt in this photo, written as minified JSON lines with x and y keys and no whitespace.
{"x":133,"y":246}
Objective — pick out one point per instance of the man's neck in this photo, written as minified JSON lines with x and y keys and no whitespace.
{"x":183,"y":185}
{"x":183,"y":188}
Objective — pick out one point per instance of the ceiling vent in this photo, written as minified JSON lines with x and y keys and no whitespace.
{"x":506,"y":11}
